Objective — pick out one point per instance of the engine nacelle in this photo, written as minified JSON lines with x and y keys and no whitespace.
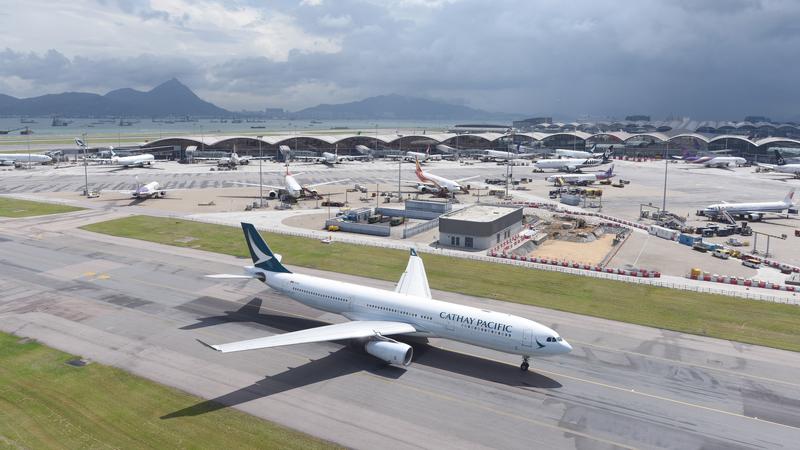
{"x":272,"y":195}
{"x":392,"y":352}
{"x":314,"y":193}
{"x":162,"y":194}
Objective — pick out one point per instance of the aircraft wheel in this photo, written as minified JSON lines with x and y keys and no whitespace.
{"x":524,"y":366}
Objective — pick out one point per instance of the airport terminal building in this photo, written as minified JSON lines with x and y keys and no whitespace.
{"x":479,"y":227}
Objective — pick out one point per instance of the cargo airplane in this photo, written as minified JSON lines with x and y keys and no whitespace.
{"x":752,"y":211}
{"x":377,"y":315}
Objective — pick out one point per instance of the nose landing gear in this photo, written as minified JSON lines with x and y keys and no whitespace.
{"x":524,"y":366}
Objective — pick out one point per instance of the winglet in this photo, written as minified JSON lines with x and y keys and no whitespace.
{"x":789,"y":196}
{"x":212,"y":347}
{"x":414,"y":252}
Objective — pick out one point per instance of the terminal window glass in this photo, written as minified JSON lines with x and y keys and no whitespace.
{"x":468,"y":242}
{"x":458,"y":241}
{"x":498,"y":238}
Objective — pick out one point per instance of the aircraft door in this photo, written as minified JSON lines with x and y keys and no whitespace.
{"x":527,"y":337}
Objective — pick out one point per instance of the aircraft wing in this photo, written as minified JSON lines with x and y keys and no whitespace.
{"x":326,"y":182}
{"x":254,"y":184}
{"x":339,"y":331}
{"x":414,"y":280}
{"x":467,"y":178}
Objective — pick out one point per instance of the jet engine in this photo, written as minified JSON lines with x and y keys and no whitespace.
{"x":392,"y":352}
{"x":272,"y":195}
{"x":162,"y":194}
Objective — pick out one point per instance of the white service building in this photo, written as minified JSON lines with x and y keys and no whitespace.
{"x":479,"y":227}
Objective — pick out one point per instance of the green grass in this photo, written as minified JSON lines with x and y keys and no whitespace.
{"x":45,"y":403}
{"x":756,"y":322}
{"x":11,"y":207}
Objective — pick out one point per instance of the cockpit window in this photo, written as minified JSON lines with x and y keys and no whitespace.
{"x":559,"y":339}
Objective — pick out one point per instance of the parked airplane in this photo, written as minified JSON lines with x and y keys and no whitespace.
{"x":565,"y":153}
{"x":782,"y":166}
{"x":581,"y":178}
{"x":721,"y":162}
{"x":568,"y":164}
{"x":291,"y":189}
{"x":429,"y":182}
{"x":752,"y":211}
{"x":141,"y":160}
{"x":418,"y":156}
{"x":377,"y":314}
{"x":11,"y":159}
{"x":143,"y":191}
{"x":499,"y":155}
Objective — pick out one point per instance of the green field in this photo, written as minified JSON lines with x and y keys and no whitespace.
{"x":46,"y":403}
{"x":756,"y":322}
{"x":11,"y":207}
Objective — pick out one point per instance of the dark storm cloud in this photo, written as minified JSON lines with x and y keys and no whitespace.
{"x":703,"y":58}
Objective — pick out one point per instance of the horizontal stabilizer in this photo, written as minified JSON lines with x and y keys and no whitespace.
{"x":227,"y":276}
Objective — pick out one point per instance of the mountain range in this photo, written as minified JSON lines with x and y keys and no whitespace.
{"x":169,"y":98}
{"x":396,"y":107}
{"x":173,"y":98}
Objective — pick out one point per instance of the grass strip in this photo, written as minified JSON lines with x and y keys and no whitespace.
{"x":46,"y":403}
{"x":12,"y":207}
{"x":750,"y":321}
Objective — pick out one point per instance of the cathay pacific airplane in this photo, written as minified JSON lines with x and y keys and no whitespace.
{"x":376,"y":314}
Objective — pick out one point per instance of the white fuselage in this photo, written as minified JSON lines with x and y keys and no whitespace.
{"x":134,"y":160}
{"x":442,"y":183}
{"x":8,"y":159}
{"x":505,"y":156}
{"x":567,"y":164}
{"x":788,"y":168}
{"x":433,"y":318}
{"x":152,"y":189}
{"x":564,"y":153}
{"x":293,"y":188}
{"x":330,"y":158}
{"x":720,"y":161}
{"x":736,"y":209}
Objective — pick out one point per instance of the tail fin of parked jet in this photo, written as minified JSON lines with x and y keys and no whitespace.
{"x":779,"y":158}
{"x":788,"y":198}
{"x":262,"y":256}
{"x":607,"y":154}
{"x":610,"y":171}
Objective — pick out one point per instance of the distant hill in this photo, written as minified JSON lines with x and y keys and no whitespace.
{"x":169,"y":98}
{"x":396,"y":107}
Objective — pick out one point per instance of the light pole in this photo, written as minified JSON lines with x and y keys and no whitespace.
{"x":666,"y":166}
{"x":399,"y":169}
{"x":85,"y":166}
{"x":260,"y":176}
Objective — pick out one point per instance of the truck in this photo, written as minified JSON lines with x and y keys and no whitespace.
{"x":664,"y":233}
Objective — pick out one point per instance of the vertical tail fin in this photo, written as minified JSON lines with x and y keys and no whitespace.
{"x":779,"y":158}
{"x":610,"y":171}
{"x":262,"y":256}
{"x":789,"y":197}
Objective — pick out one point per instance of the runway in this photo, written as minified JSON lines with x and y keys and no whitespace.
{"x":140,"y":306}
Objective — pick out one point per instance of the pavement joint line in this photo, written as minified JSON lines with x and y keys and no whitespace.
{"x":701,"y":366}
{"x":633,"y":391}
{"x":497,"y":411}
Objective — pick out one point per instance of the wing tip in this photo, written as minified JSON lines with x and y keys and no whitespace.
{"x":212,"y":347}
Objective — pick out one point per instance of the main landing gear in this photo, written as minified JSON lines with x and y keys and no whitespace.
{"x":524,"y":366}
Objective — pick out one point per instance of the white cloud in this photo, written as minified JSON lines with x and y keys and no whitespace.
{"x":342,"y":21}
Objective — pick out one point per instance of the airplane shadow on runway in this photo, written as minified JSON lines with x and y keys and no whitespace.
{"x":348,"y":360}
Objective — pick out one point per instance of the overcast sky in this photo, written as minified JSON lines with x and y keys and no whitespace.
{"x":708,"y":59}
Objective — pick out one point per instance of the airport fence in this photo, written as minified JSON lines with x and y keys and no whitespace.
{"x":420,"y":228}
{"x":311,"y":234}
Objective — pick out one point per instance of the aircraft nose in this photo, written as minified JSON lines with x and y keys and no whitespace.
{"x":565,"y":347}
